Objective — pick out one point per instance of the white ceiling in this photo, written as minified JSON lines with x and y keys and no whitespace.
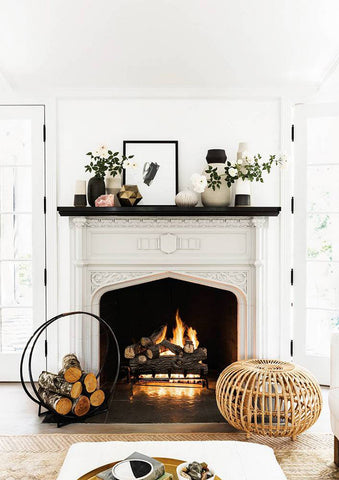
{"x":224,"y":44}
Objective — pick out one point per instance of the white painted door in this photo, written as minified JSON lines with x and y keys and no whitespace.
{"x":22,"y":234}
{"x":316,"y":247}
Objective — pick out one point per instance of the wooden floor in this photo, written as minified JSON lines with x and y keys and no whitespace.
{"x":18,"y":416}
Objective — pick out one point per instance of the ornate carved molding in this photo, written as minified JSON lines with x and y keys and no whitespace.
{"x":232,"y":277}
{"x":165,"y":222}
{"x":101,"y":278}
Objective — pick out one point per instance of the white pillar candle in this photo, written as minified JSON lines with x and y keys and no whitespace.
{"x":243,"y":147}
{"x":80,"y":187}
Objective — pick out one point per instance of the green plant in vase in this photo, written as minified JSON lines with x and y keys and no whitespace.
{"x":102,"y":161}
{"x":247,"y":169}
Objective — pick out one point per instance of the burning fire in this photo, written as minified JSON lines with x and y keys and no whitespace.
{"x":180,"y":333}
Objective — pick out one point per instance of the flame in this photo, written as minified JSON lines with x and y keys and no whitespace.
{"x":192,"y":335}
{"x":179,"y":333}
{"x":163,"y":336}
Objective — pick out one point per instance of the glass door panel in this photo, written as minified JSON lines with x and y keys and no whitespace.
{"x":316,"y":294}
{"x":21,"y":232}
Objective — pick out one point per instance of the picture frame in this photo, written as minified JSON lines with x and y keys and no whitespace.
{"x":155,"y":171}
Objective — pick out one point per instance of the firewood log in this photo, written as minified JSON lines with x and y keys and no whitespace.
{"x":154,"y":350}
{"x":71,"y":369}
{"x":132,"y":350}
{"x":57,"y":384}
{"x":97,"y":398}
{"x":155,"y":337}
{"x":188,"y":347}
{"x":172,"y":347}
{"x":81,"y":406}
{"x":173,"y":364}
{"x":62,"y":405}
{"x":90,"y":381}
{"x":141,"y":359}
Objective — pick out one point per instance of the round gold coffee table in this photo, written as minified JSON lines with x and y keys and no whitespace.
{"x":170,"y":467}
{"x":268,"y":397}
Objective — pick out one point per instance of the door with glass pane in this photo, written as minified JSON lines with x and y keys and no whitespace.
{"x":22,"y":243}
{"x":316,"y":251}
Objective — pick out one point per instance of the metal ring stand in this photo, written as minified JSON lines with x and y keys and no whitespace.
{"x":35,"y":397}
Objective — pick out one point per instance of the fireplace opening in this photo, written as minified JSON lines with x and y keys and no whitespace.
{"x":191,"y":329}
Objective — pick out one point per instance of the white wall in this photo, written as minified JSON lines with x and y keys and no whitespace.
{"x":198,"y":124}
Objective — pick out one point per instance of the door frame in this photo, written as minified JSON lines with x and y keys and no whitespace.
{"x":319,"y":365}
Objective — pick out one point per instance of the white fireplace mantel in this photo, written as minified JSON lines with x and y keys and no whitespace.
{"x":227,"y":253}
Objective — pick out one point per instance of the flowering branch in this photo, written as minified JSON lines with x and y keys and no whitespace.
{"x":247,"y":168}
{"x":104,"y":160}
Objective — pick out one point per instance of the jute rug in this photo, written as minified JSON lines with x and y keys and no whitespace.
{"x":39,"y":457}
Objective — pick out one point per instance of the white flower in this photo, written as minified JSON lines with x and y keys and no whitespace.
{"x":282,"y":161}
{"x":199,"y":182}
{"x":102,"y":151}
{"x":130,"y":164}
{"x":239,"y":162}
{"x":233,"y":171}
{"x":244,"y":171}
{"x":247,"y":157}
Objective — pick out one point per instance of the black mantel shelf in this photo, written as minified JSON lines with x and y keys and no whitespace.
{"x":169,"y":211}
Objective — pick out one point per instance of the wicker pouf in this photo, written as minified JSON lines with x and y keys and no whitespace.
{"x":268,"y":397}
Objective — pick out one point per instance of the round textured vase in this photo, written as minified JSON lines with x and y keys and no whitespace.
{"x":220,"y":197}
{"x":95,"y":188}
{"x":242,"y":193}
{"x":186,"y":198}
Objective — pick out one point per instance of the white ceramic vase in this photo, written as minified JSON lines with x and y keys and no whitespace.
{"x":186,"y":198}
{"x":242,"y":193}
{"x":220,"y":197}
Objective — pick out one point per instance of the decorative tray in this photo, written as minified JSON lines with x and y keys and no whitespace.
{"x":170,"y":467}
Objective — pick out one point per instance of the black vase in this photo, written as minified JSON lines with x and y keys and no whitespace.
{"x":216,"y":155}
{"x":95,"y":188}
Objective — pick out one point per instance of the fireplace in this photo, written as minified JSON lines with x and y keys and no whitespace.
{"x":137,"y":272}
{"x":194,"y":328}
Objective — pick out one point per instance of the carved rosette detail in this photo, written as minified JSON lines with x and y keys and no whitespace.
{"x":103,"y":278}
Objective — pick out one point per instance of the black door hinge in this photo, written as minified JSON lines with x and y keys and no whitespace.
{"x":292,"y":276}
{"x":292,"y":347}
{"x":292,"y":133}
{"x":44,"y":205}
{"x":44,"y":133}
{"x":292,"y":204}
{"x":46,"y":348}
{"x":45,"y":277}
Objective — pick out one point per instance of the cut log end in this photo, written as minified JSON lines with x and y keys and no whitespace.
{"x":76,"y":390}
{"x":90,"y":382}
{"x":63,"y":406}
{"x":97,"y":398}
{"x":72,"y":374}
{"x":81,"y":406}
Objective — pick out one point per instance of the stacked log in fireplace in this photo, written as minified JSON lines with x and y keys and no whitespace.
{"x":156,"y":355}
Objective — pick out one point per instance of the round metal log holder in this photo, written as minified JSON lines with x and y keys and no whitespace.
{"x":28,"y":351}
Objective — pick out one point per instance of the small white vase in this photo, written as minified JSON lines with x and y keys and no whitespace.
{"x":242,"y":193}
{"x":243,"y":147}
{"x":113,"y":185}
{"x":220,"y":197}
{"x":186,"y":198}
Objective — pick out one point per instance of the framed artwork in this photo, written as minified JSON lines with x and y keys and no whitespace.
{"x":154,"y":170}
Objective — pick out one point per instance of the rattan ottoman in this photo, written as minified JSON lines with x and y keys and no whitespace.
{"x":268,"y":397}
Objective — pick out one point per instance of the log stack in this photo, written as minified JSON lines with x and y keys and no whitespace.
{"x":71,"y":390}
{"x":156,"y":355}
